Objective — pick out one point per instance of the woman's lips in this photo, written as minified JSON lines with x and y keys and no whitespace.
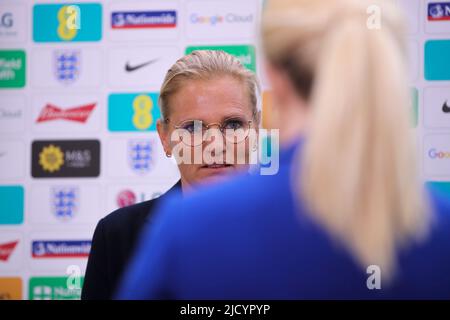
{"x":216,"y":166}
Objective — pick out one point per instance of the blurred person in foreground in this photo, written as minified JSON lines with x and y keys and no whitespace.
{"x":202,"y":89}
{"x":346,"y":217}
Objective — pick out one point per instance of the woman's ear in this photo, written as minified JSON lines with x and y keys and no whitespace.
{"x":257,"y":119}
{"x":164,"y":136}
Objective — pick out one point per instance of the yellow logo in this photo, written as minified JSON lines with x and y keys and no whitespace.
{"x":10,"y":288}
{"x":51,"y":158}
{"x":67,"y":17}
{"x":142,"y":106}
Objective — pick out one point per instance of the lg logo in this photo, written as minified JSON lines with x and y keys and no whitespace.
{"x":6,"y":20}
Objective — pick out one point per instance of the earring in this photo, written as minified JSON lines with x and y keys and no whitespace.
{"x":168,"y":155}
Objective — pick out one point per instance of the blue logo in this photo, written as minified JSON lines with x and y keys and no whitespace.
{"x":64,"y":202}
{"x":439,"y":11}
{"x":67,"y":65}
{"x":143,"y":19}
{"x":11,"y":204}
{"x":60,"y":249}
{"x":140,"y":155}
{"x":72,"y":22}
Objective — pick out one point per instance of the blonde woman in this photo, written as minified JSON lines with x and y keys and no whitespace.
{"x":346,"y":216}
{"x":204,"y":88}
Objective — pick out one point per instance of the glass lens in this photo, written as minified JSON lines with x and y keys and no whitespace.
{"x":195,"y":128}
{"x":235,"y":130}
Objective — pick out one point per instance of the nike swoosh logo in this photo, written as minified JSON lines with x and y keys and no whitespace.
{"x":445,"y":107}
{"x":129,"y":68}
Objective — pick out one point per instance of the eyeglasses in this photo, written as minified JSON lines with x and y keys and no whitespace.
{"x":234,"y":130}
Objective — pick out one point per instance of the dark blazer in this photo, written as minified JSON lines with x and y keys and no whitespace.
{"x":112,"y":245}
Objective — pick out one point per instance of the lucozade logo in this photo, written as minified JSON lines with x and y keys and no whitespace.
{"x":245,"y":54}
{"x":12,"y":68}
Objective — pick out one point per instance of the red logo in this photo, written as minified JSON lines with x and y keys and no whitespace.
{"x":78,"y":114}
{"x":6,"y":249}
{"x":126,"y":198}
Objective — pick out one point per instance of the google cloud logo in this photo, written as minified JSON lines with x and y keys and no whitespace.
{"x":436,"y":154}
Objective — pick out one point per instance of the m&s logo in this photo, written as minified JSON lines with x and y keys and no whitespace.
{"x":63,"y":22}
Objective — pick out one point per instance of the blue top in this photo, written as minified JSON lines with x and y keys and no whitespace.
{"x":249,"y":239}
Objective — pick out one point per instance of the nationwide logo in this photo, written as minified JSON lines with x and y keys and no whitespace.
{"x":131,"y":68}
{"x":6,"y":249}
{"x":60,"y":249}
{"x":445,"y":107}
{"x":12,"y":69}
{"x":77,"y":114}
{"x":143,"y":19}
{"x":439,"y":11}
{"x":65,"y":158}
{"x":140,"y":155}
{"x":67,"y":65}
{"x":214,"y":20}
{"x":64,"y":202}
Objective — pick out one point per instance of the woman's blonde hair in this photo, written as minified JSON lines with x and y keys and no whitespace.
{"x":358,"y":175}
{"x":205,"y":65}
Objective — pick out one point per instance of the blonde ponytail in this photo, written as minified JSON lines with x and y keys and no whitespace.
{"x":358,"y":176}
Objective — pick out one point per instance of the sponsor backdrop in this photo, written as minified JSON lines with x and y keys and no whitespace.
{"x":79,"y":89}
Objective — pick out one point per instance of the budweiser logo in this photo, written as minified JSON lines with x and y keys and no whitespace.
{"x":6,"y":249}
{"x":78,"y":114}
